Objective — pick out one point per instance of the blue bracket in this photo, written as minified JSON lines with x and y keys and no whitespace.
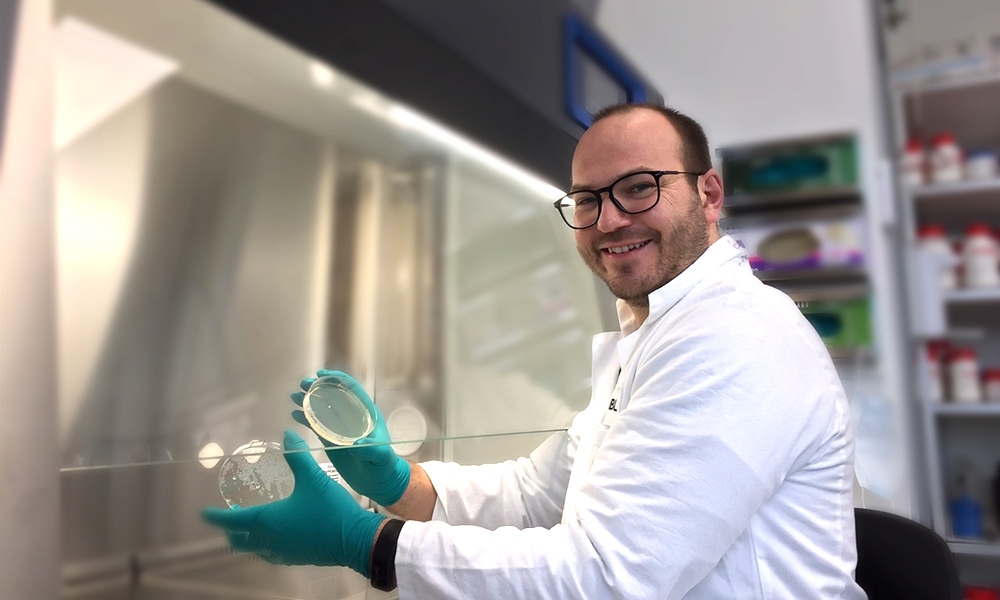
{"x":578,"y":37}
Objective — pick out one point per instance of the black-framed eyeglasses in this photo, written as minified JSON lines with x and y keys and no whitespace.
{"x":633,"y":194}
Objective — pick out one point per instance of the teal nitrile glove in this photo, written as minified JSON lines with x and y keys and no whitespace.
{"x":375,"y":471}
{"x":319,"y":524}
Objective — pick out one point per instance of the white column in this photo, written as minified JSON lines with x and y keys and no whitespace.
{"x":29,"y":475}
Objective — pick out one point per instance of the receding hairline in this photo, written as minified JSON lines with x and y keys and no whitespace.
{"x":694,"y":147}
{"x":624,"y":112}
{"x":628,"y":109}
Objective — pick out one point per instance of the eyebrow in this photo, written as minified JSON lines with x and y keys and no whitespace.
{"x":576,"y":187}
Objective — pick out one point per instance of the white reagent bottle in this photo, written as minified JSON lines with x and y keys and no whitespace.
{"x":981,"y":258}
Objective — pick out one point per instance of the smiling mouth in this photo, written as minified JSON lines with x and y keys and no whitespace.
{"x":624,"y":249}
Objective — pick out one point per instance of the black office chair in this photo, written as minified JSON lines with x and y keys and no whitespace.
{"x":900,"y":559}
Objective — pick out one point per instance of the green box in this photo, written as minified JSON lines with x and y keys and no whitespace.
{"x":808,"y":166}
{"x":842,"y":324}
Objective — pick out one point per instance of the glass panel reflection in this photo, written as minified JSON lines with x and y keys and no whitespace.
{"x":234,"y":215}
{"x":135,"y":533}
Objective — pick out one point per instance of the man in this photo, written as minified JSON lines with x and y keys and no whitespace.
{"x":714,"y":461}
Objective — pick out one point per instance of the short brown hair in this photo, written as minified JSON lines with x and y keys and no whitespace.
{"x":696,"y":155}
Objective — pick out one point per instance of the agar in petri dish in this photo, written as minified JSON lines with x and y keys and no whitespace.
{"x":255,"y":474}
{"x":336,"y":413}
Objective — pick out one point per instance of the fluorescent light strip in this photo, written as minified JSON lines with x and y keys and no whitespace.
{"x":404,"y":117}
{"x":372,"y":105}
{"x":321,"y":74}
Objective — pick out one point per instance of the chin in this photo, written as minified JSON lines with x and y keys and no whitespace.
{"x":632,"y":290}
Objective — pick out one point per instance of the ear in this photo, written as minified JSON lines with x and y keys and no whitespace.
{"x":712,"y":194}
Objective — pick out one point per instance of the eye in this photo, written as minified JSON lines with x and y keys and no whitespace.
{"x":585,"y":201}
{"x":640,"y":188}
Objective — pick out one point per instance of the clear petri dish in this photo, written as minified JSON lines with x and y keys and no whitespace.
{"x":255,"y":474}
{"x":336,"y":413}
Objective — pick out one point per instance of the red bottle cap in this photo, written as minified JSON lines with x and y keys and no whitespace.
{"x":978,"y":229}
{"x":979,"y":593}
{"x":914,"y":145}
{"x":943,"y":139}
{"x":962,"y":354}
{"x":937,"y":349}
{"x":930,"y":230}
{"x":991,"y":375}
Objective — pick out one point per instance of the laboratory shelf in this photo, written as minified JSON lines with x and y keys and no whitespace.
{"x":973,"y":296}
{"x":974,"y":548}
{"x":738,"y":203}
{"x":950,"y":83}
{"x":943,"y":191}
{"x":954,"y":409}
{"x":847,"y":276}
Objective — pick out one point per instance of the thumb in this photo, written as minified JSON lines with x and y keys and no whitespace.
{"x":299,"y":459}
{"x":233,"y":519}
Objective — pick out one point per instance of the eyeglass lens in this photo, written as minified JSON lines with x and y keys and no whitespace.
{"x":634,"y":193}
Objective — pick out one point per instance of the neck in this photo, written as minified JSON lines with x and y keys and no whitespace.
{"x":640,"y":306}
{"x":713,"y":234}
{"x":640,"y":309}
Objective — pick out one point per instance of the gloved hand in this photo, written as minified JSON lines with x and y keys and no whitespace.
{"x":375,"y":471}
{"x":319,"y":524}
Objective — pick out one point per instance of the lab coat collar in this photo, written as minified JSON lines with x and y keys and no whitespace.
{"x":661,"y":300}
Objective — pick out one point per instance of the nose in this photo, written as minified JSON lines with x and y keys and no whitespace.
{"x":611,"y":218}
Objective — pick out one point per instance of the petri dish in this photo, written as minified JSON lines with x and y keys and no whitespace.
{"x":407,"y":424}
{"x":336,"y":413}
{"x":255,"y":474}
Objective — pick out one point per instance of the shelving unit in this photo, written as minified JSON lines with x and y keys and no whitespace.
{"x":824,"y":211}
{"x":949,"y":191}
{"x":950,"y":409}
{"x":967,"y":548}
{"x":953,"y":433}
{"x":973,"y":297}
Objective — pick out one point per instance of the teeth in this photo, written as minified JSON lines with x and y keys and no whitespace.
{"x":620,"y":249}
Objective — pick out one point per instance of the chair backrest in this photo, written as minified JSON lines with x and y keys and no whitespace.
{"x":900,"y":559}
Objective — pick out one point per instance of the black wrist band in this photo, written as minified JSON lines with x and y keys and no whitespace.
{"x":384,"y":556}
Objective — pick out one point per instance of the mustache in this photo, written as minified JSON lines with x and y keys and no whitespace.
{"x":625,"y":235}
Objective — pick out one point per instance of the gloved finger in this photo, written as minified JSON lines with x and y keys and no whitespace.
{"x":298,"y":397}
{"x":300,"y":460}
{"x":233,"y":519}
{"x":305,"y":384}
{"x":300,"y":417}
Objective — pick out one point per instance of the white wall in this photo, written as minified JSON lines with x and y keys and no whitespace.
{"x":753,"y":70}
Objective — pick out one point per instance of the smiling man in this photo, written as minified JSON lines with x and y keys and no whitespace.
{"x":636,"y":249}
{"x":715,"y":459}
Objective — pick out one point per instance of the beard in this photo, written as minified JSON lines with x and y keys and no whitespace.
{"x":677,"y":248}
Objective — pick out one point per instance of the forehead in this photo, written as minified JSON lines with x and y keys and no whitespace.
{"x":634,"y":140}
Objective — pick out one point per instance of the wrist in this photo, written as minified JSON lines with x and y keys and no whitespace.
{"x":401,"y":478}
{"x":366,"y":532}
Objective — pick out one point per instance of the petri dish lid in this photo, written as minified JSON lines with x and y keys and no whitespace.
{"x":255,"y":474}
{"x":336,"y":413}
{"x":408,"y":425}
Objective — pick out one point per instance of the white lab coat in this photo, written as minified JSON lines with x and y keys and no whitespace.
{"x":724,"y":470}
